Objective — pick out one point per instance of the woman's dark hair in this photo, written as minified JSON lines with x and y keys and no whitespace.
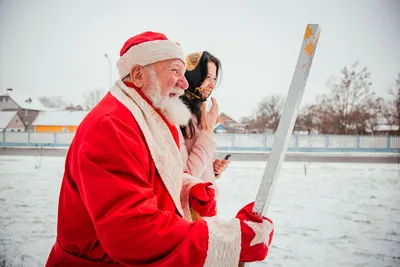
{"x":195,"y":78}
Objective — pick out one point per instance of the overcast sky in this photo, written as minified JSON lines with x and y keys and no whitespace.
{"x":56,"y":48}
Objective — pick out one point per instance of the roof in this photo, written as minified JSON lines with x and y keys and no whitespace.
{"x":59,"y":118}
{"x":219,"y":126}
{"x":383,"y":128}
{"x":24,"y":101}
{"x":225,"y":119}
{"x":5,"y":118}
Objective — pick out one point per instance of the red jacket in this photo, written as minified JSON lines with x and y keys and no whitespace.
{"x":109,"y":175}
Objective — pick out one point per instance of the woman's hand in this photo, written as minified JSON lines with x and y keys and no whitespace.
{"x":220,"y":166}
{"x":209,"y":119}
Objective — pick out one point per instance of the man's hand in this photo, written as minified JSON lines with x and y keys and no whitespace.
{"x":257,"y":235}
{"x":202,"y":199}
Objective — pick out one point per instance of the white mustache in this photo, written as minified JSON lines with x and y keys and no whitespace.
{"x":178,"y":92}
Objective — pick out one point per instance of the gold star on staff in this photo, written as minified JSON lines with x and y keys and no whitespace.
{"x":309,"y":48}
{"x":308,"y":33}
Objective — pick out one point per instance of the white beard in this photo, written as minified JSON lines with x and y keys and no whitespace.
{"x":174,"y":110}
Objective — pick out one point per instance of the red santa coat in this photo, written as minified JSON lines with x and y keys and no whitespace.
{"x":121,"y":195}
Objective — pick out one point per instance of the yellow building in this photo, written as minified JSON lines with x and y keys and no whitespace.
{"x":58,"y":121}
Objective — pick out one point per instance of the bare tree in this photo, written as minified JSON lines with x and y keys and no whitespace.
{"x":72,"y":107}
{"x":269,"y":112}
{"x":246,"y":120}
{"x":53,"y":102}
{"x":372,"y":116}
{"x":394,"y":102}
{"x":347,"y":105}
{"x":257,"y":124}
{"x":92,"y":98}
{"x":306,"y":120}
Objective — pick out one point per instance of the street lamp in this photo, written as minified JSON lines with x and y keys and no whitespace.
{"x":109,"y":61}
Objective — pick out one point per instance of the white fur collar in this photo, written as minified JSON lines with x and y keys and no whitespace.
{"x":160,"y":141}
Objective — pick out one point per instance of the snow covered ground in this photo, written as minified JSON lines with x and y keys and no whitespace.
{"x":336,"y":215}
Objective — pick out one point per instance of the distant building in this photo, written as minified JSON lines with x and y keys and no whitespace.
{"x":58,"y":121}
{"x":10,"y":121}
{"x":229,"y":124}
{"x":27,"y":107}
{"x":383,"y":129}
{"x":220,"y":128}
{"x":225,"y":120}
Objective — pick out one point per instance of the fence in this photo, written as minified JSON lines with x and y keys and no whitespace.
{"x":235,"y":142}
{"x":311,"y":143}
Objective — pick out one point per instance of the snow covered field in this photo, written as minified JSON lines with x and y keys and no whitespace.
{"x":336,"y":215}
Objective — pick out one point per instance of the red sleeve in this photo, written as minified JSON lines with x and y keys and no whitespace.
{"x":119,"y":198}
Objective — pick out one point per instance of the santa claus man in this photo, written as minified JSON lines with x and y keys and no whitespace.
{"x":124,"y":198}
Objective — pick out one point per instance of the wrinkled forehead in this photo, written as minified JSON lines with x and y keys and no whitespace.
{"x":170,"y":64}
{"x":176,"y":63}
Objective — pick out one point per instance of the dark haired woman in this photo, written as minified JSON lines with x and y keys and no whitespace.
{"x":202,"y":73}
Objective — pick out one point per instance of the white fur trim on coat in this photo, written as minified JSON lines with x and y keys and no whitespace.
{"x":188,"y":182}
{"x":224,"y":242}
{"x":162,"y":146}
{"x":149,"y":53}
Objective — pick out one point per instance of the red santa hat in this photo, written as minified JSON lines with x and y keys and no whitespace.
{"x":147,"y":48}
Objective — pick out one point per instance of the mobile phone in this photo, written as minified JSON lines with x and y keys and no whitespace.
{"x":227,"y":156}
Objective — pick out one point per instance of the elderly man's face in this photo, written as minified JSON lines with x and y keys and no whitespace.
{"x":171,"y":78}
{"x":163,"y":83}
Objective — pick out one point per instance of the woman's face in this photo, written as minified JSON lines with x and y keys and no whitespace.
{"x":209,"y":83}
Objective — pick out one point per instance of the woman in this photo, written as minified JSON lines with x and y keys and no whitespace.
{"x":198,"y":148}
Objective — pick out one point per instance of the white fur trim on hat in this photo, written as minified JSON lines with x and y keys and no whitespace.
{"x":148,"y":53}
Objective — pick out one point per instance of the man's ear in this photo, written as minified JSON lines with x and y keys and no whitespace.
{"x":137,"y":76}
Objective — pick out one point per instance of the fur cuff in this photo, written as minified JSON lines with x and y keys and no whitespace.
{"x":224,"y":242}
